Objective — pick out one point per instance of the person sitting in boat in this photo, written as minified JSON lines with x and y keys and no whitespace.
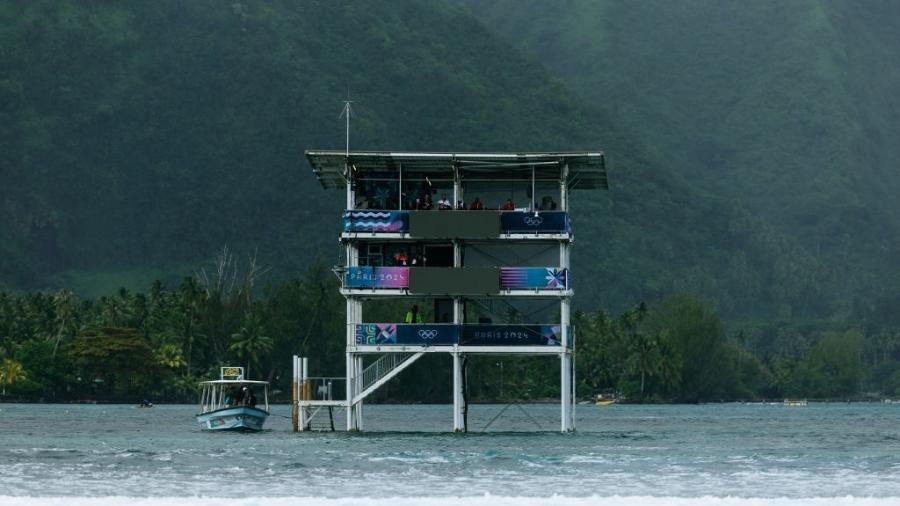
{"x":251,"y":398}
{"x":237,"y":396}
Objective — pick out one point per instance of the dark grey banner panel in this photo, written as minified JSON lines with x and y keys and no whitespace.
{"x":445,"y":280}
{"x":451,"y":224}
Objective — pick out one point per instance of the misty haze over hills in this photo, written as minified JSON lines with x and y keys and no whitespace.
{"x":788,"y":109}
{"x":752,"y":146}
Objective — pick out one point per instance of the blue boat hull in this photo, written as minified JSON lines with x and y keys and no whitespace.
{"x":239,"y":418}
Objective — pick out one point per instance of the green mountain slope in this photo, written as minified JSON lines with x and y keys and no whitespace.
{"x":152,"y":133}
{"x":784,"y":107}
{"x":143,"y":137}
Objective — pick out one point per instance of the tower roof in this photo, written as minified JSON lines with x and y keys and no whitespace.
{"x":586,"y":170}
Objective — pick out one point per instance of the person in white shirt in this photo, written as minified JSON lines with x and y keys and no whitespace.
{"x":444,"y":203}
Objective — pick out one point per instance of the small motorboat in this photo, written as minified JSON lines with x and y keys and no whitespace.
{"x":607,"y":398}
{"x":230,"y":402}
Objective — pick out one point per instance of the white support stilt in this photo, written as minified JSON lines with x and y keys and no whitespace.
{"x":574,"y":397}
{"x":459,"y":420}
{"x":359,"y":405}
{"x":302,"y":388}
{"x":567,"y":424}
{"x":295,"y":395}
{"x":354,"y":362}
{"x":566,"y":400}
{"x":458,"y":400}
{"x":351,"y":378}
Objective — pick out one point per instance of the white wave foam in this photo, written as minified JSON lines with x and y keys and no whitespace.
{"x":485,"y":500}
{"x":412,"y":460}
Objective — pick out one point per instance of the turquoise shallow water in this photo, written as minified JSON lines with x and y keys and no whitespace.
{"x":734,"y":452}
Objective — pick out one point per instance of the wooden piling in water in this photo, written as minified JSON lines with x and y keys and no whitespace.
{"x":295,"y":396}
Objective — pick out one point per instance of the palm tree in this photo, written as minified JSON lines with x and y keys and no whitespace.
{"x":64,"y":306}
{"x":669,"y":363}
{"x":643,"y":350}
{"x":10,"y":373}
{"x":645,"y":357}
{"x":189,"y":300}
{"x":249,"y":342}
{"x":170,"y":355}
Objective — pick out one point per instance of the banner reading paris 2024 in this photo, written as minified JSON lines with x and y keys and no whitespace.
{"x":511,"y":278}
{"x":377,"y":277}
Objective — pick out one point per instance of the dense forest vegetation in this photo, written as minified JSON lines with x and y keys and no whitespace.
{"x":159,"y":344}
{"x":752,"y":167}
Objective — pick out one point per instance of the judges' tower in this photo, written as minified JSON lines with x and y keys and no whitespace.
{"x":477,"y":247}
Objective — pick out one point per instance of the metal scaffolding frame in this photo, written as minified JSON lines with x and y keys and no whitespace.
{"x":339,"y":170}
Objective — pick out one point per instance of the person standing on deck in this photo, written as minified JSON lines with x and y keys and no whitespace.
{"x":413,"y":315}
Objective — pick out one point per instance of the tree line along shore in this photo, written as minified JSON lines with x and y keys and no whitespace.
{"x":158,"y":344}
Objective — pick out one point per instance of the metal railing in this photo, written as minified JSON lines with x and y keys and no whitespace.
{"x":381,"y":367}
{"x":323,"y":389}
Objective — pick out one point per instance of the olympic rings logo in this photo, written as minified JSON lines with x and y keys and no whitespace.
{"x":428,"y":334}
{"x":533,"y":221}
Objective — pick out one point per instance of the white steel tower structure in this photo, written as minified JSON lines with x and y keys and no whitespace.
{"x":453,"y":236}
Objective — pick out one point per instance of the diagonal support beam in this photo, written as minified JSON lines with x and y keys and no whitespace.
{"x":387,"y":377}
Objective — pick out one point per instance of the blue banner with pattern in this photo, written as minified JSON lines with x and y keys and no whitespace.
{"x":388,"y":334}
{"x":376,"y":221}
{"x":543,"y":278}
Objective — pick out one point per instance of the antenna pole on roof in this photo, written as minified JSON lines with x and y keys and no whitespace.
{"x":351,"y":196}
{"x":346,"y":112}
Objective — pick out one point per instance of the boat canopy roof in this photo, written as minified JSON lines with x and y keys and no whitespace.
{"x":580,"y":170}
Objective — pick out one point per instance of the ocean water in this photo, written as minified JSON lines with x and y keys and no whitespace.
{"x":621,"y":455}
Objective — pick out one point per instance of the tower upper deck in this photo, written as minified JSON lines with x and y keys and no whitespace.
{"x":390,"y":229}
{"x":575,"y":170}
